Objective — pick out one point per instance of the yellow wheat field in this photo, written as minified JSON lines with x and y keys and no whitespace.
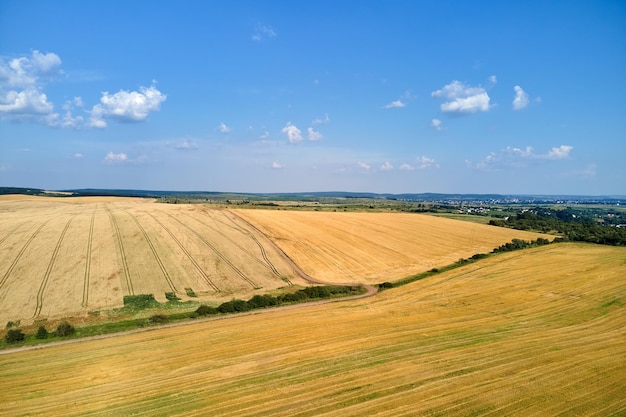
{"x":62,"y":257}
{"x":539,"y":332}
{"x":375,"y":247}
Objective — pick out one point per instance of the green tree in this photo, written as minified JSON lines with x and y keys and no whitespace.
{"x":42,"y":333}
{"x":65,"y":329}
{"x":14,"y":336}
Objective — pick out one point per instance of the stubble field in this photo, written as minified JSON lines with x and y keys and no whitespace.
{"x":66,"y":257}
{"x":376,"y":247}
{"x":62,"y":257}
{"x":535,"y":332}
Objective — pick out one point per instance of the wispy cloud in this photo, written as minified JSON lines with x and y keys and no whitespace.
{"x":224,"y":128}
{"x":395,"y":104}
{"x":424,"y":162}
{"x":436,"y":124}
{"x":364,"y":165}
{"x":462,"y":99}
{"x":323,"y":121}
{"x":387,"y":166}
{"x":187,"y":145}
{"x":262,"y":32}
{"x":277,"y":165}
{"x":112,"y":158}
{"x":518,"y":157}
{"x":407,"y":167}
{"x":313,"y":135}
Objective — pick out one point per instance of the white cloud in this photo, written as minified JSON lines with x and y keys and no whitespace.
{"x":424,"y":162}
{"x":395,"y":104}
{"x":493,"y":79}
{"x":224,"y":128}
{"x":407,"y":167}
{"x":313,"y":135}
{"x":293,"y":133}
{"x":436,"y":124}
{"x":387,"y":166}
{"x":115,"y":157}
{"x":262,"y":32}
{"x":78,"y":155}
{"x":323,"y":121}
{"x":27,"y":102}
{"x":517,"y":157}
{"x":126,"y":106}
{"x":521,"y":98}
{"x":24,"y":72}
{"x":265,"y":135}
{"x":364,"y":166}
{"x":276,"y":165}
{"x":462,"y":99}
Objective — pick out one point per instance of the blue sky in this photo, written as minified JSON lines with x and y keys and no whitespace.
{"x":276,"y":96}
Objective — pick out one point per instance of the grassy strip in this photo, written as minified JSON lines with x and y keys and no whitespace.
{"x":170,"y":312}
{"x":515,"y":244}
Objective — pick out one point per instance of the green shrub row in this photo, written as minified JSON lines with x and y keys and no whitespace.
{"x":264,"y":301}
{"x":63,"y":329}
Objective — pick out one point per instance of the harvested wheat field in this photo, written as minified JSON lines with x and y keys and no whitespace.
{"x":62,"y":257}
{"x":375,"y":247}
{"x":534,"y":332}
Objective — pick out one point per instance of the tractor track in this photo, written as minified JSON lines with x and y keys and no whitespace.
{"x":254,"y":238}
{"x":85,"y":301}
{"x":10,"y":233}
{"x":46,"y":277}
{"x":219,"y":254}
{"x":19,"y":255}
{"x":267,"y":264}
{"x":156,"y":255}
{"x":191,"y":258}
{"x":120,"y":244}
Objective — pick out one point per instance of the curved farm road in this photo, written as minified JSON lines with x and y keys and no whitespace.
{"x":371,"y":290}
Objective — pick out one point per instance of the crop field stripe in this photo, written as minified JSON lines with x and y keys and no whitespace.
{"x":46,"y":277}
{"x":120,"y":244}
{"x":191,"y":258}
{"x":19,"y":255}
{"x":85,"y":302}
{"x":156,"y":255}
{"x":267,"y":264}
{"x":219,"y":254}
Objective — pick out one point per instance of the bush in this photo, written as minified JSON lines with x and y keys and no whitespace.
{"x":14,"y":336}
{"x":385,"y":284}
{"x":65,"y":329}
{"x":170,"y":296}
{"x":158,"y":319}
{"x":205,"y":310}
{"x":42,"y":333}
